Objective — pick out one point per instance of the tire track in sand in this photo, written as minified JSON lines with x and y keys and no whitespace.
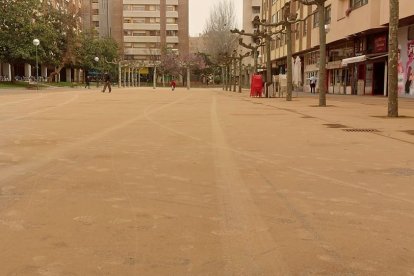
{"x":248,"y":248}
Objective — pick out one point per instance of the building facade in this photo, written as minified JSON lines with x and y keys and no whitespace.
{"x":251,"y":8}
{"x":142,"y":28}
{"x":357,"y":44}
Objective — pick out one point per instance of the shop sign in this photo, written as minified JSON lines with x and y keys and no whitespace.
{"x":380,"y":44}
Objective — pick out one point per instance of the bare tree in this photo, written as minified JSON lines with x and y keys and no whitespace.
{"x":285,"y":25}
{"x":322,"y":47}
{"x":218,"y":38}
{"x":393,"y":60}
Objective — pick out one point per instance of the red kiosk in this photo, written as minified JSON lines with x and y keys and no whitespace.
{"x":256,"y":87}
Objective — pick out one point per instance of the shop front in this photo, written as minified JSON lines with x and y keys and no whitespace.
{"x":406,"y":61}
{"x":365,"y":73}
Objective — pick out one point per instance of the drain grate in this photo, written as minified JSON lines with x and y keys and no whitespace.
{"x":411,"y":132}
{"x":335,"y":126}
{"x":360,"y":130}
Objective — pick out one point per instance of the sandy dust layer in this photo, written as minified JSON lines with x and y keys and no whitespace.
{"x":204,"y":182}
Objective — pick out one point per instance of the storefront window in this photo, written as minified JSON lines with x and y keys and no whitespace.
{"x":410,"y":35}
{"x":358,"y":3}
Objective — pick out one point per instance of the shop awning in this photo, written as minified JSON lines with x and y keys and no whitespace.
{"x":356,"y":59}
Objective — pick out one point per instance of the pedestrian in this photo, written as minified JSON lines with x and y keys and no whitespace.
{"x":312,"y":81}
{"x":87,"y":82}
{"x":173,"y":84}
{"x":107,"y":81}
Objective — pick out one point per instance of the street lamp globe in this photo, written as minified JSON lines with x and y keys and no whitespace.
{"x":36,"y":42}
{"x":96,"y":59}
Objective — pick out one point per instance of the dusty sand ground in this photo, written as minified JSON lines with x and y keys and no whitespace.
{"x":203,"y":182}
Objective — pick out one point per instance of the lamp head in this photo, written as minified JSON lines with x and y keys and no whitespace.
{"x":36,"y":42}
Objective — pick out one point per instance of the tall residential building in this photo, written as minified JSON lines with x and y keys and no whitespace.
{"x":357,"y":44}
{"x":251,"y":8}
{"x":142,"y":28}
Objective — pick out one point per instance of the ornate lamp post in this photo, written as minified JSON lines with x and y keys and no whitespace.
{"x":36,"y":43}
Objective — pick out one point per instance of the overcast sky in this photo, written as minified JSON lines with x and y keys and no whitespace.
{"x":200,"y":11}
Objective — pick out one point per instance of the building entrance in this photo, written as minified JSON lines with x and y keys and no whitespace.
{"x":378,"y":78}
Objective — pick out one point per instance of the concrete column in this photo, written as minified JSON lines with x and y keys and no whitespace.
{"x":28,"y":70}
{"x":188,"y":78}
{"x":124,"y":77}
{"x":6,"y":70}
{"x":76,"y":75}
{"x":129,"y":76}
{"x":134,"y":76}
{"x":43,"y":71}
{"x":81,"y":76}
{"x":68,"y":75}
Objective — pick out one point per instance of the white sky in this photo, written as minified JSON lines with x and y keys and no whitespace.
{"x":200,"y":11}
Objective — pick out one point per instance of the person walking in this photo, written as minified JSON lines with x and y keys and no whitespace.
{"x":107,"y":81}
{"x":173,"y":84}
{"x":312,"y":81}
{"x":88,"y":82}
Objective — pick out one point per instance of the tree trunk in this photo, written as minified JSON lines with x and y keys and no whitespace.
{"x":240,"y":74}
{"x":322,"y":57}
{"x":289,"y":62}
{"x":222,"y":78}
{"x":54,"y":73}
{"x":392,"y":60}
{"x":234,"y":73}
{"x":12,"y":73}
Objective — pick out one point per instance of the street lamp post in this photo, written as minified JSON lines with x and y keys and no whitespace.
{"x":97,"y":80}
{"x":36,"y":43}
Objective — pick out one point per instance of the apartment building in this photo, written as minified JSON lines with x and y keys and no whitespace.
{"x":142,"y":28}
{"x":251,"y":8}
{"x":357,"y":44}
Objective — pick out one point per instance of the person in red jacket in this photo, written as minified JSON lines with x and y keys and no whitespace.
{"x":173,"y":84}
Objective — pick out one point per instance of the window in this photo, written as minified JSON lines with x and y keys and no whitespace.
{"x":316,"y":20}
{"x":297,"y":30}
{"x":139,"y":33}
{"x":154,"y":7}
{"x":358,"y":3}
{"x":328,"y":14}
{"x":410,"y":35}
{"x":305,"y":27}
{"x":138,"y":20}
{"x":171,"y":20}
{"x":171,"y":8}
{"x":140,"y":45}
{"x":172,"y":33}
{"x":138,"y":7}
{"x":153,"y":20}
{"x":256,"y":9}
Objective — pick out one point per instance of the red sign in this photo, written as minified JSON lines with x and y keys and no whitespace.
{"x":380,"y":44}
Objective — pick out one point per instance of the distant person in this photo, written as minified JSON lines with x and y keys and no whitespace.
{"x":88,"y":82}
{"x":107,"y":81}
{"x":312,"y":81}
{"x":173,"y":84}
{"x":408,"y":80}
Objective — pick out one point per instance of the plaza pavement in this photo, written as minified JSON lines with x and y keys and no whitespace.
{"x":204,"y":182}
